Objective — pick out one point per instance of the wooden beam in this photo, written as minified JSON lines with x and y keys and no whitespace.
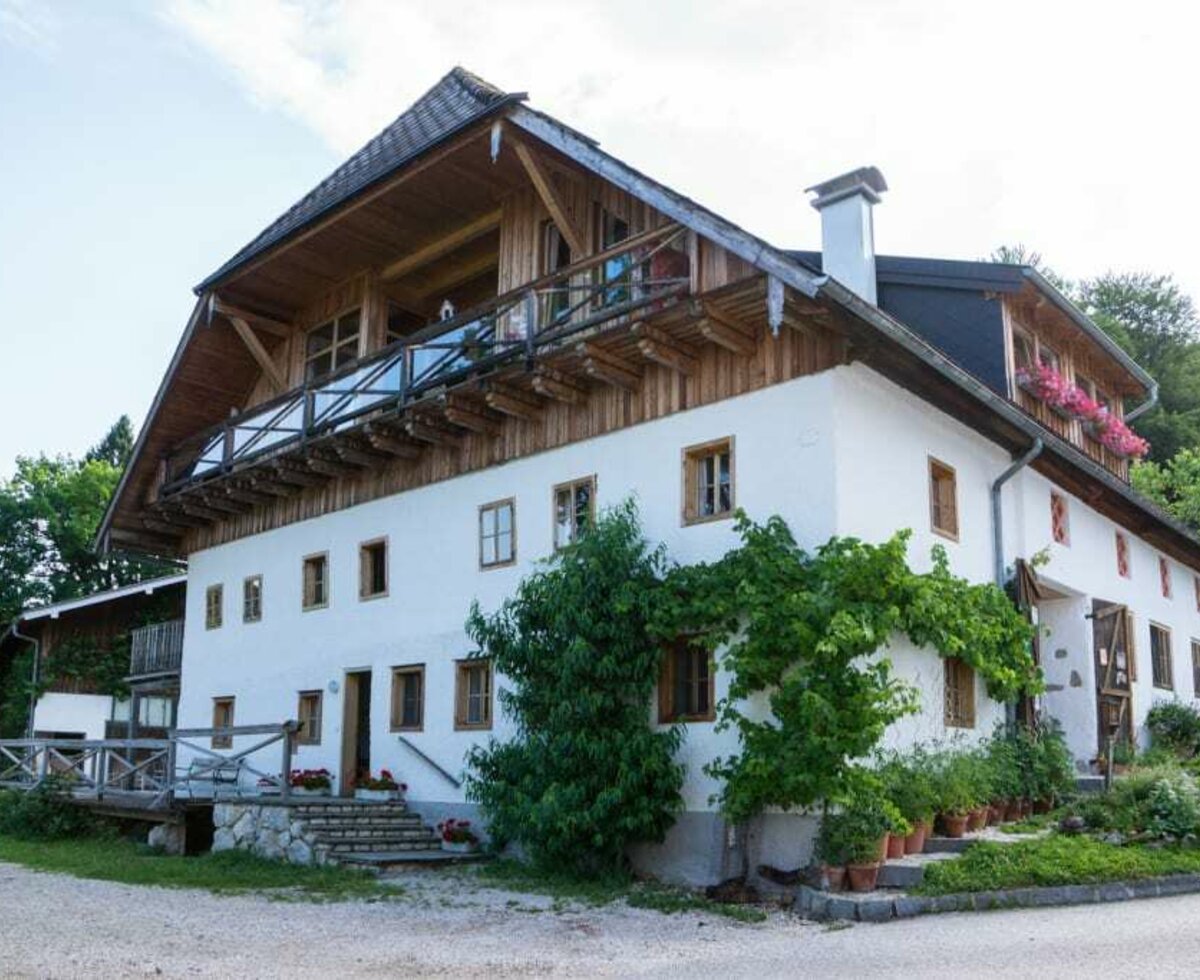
{"x":429,"y":433}
{"x":296,"y":474}
{"x":466,"y":418}
{"x":387,"y":443}
{"x":656,"y":346}
{"x":269,"y":324}
{"x":509,"y":401}
{"x":552,"y":384}
{"x":327,"y":464}
{"x":600,"y":364}
{"x":193,"y":509}
{"x":442,"y":246}
{"x":162,"y":527}
{"x":247,"y":495}
{"x":724,"y":333}
{"x":359,"y":455}
{"x":543,"y":182}
{"x":259,"y":352}
{"x":216,"y":500}
{"x":457,"y":275}
{"x":273,"y":487}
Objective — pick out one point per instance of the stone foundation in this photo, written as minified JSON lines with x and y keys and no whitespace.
{"x":267,"y":829}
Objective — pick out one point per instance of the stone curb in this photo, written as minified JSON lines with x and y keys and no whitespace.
{"x":822,"y":906}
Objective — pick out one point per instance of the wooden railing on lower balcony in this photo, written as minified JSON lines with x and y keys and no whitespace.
{"x":156,"y":649}
{"x":639,"y":274}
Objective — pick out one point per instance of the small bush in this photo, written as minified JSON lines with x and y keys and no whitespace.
{"x":1175,"y":725}
{"x":908,"y":783}
{"x":1161,"y":802}
{"x":852,"y":834}
{"x":45,"y":813}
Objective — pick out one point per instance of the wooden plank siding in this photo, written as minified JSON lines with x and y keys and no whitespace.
{"x":719,"y":374}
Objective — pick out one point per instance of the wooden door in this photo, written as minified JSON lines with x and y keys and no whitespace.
{"x":356,"y":730}
{"x":1116,"y":670}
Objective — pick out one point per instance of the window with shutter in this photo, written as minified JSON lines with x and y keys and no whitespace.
{"x":943,"y":499}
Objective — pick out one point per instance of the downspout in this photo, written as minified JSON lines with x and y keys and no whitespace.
{"x":1145,"y":406}
{"x":1034,"y":451}
{"x":33,"y":679}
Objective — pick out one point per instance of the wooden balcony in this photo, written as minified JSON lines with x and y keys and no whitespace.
{"x":156,"y":650}
{"x":1074,"y":432}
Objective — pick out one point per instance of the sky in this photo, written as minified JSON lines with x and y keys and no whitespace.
{"x":141,"y":144}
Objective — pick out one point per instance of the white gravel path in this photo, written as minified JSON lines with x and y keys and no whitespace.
{"x":445,"y":925}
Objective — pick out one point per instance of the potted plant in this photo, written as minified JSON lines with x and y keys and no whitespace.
{"x":830,"y":853}
{"x":908,"y":784}
{"x":859,"y":827}
{"x":310,"y":782}
{"x":381,"y":789}
{"x":955,"y":792}
{"x":457,"y":836}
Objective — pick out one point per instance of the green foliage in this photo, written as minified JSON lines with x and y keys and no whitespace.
{"x":908,"y":781}
{"x":1054,"y":860}
{"x":585,"y":774}
{"x":959,"y":782}
{"x":803,"y":633}
{"x":1160,"y":802}
{"x":1174,"y":485}
{"x":1175,"y":725}
{"x":44,"y":813}
{"x":852,"y":833}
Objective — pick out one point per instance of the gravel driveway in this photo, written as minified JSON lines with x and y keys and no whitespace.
{"x":445,"y":925}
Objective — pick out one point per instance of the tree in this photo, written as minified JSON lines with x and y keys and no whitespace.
{"x":1173,"y":485}
{"x":1019,"y":254}
{"x":585,"y":774}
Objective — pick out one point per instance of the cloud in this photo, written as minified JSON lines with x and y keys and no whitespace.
{"x":1044,"y":123}
{"x":28,"y":24}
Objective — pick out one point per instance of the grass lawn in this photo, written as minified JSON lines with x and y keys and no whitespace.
{"x":1054,"y":860}
{"x":228,"y":873}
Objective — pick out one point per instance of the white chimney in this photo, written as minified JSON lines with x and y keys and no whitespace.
{"x":847,"y":231}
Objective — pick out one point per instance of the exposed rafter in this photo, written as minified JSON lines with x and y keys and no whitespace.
{"x":543,"y":182}
{"x":510,"y":401}
{"x":552,"y":384}
{"x":656,"y":346}
{"x":259,"y":353}
{"x":259,"y":320}
{"x":604,"y":366}
{"x":434,"y":250}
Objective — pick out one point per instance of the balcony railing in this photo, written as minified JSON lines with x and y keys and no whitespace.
{"x":156,"y":649}
{"x":641,"y":273}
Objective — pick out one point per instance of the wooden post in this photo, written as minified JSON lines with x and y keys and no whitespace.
{"x":170,"y":784}
{"x":531,"y":326}
{"x":101,"y":771}
{"x":285,"y":781}
{"x":43,"y":765}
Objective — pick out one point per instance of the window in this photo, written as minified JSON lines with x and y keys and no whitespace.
{"x":308,"y":714}
{"x":708,"y":481}
{"x":252,"y":599}
{"x":1196,"y":668}
{"x":473,"y":694}
{"x":943,"y":499}
{"x":1123,"y":568}
{"x":613,"y":230}
{"x":1023,"y":350}
{"x":685,"y":685}
{"x":222,"y":718}
{"x":1164,"y":576}
{"x":331,"y":345}
{"x":155,"y":712}
{"x":1160,"y":656}
{"x":960,"y":693}
{"x":213,"y":600}
{"x":574,"y":509}
{"x":408,"y":698}
{"x":1060,"y":520}
{"x":1048,"y":357}
{"x":497,"y":534}
{"x":316,"y":582}
{"x":373,"y":569}
{"x":556,"y":254}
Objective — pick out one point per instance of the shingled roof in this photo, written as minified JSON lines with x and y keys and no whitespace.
{"x":456,"y":101}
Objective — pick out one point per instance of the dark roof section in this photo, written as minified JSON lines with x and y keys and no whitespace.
{"x":455,"y":102}
{"x":993,"y":277}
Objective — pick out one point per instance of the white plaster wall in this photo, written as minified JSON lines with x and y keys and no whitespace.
{"x":784,"y":464}
{"x":75,"y":713}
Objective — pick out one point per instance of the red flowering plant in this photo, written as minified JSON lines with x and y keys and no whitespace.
{"x":1046,"y":384}
{"x":457,"y":832}
{"x":384,"y":781}
{"x":310,"y":779}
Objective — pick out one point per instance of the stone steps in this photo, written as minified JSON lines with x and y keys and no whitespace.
{"x":382,"y":862}
{"x":366,"y":847}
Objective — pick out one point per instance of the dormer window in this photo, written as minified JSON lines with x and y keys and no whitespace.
{"x":331,"y":345}
{"x":1048,"y":357}
{"x":1024,"y":350}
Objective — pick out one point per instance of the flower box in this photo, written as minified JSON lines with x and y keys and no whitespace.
{"x":378,"y":795}
{"x":459,"y":847}
{"x":301,"y":791}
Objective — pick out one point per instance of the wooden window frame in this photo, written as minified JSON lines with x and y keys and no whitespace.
{"x":230,"y":700}
{"x":667,"y":715}
{"x":1166,"y":579}
{"x":691,"y":458}
{"x":1019,"y":333}
{"x":396,"y":715}
{"x":1155,"y":680}
{"x":336,"y":343}
{"x":305,"y":604}
{"x":961,"y":712}
{"x":214,"y":612}
{"x":366,"y":569}
{"x":304,"y":737}
{"x":497,"y":505}
{"x":462,"y":669}
{"x":570,"y":486}
{"x":246,"y":605}
{"x":1124,"y":555}
{"x":1060,"y":500}
{"x":934,"y":466}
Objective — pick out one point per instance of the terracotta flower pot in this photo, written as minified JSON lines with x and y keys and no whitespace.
{"x":835,"y":877}
{"x":883,"y":847}
{"x":955,"y":824}
{"x":914,"y":843}
{"x":895,"y":847}
{"x":995,"y":813}
{"x":1012,"y":811}
{"x":977,"y":818}
{"x":1044,"y":805}
{"x":862,"y":876}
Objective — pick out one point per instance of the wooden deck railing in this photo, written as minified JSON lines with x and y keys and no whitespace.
{"x":152,"y":773}
{"x":644,"y":271}
{"x":156,"y":649}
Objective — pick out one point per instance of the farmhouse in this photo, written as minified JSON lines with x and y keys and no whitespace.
{"x":434,"y":369}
